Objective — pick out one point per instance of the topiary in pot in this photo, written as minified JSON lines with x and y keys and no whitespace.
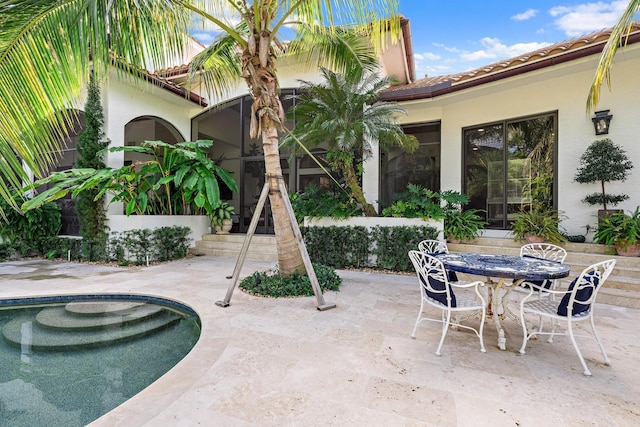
{"x":603,"y":161}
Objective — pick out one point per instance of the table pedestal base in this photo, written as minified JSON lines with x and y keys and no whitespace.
{"x":498,"y":308}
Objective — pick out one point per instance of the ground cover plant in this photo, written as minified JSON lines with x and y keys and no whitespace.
{"x":270,"y":283}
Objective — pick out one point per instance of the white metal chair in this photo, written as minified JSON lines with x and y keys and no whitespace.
{"x":577,"y":304}
{"x":546,"y":251}
{"x":433,"y":247}
{"x":437,"y":291}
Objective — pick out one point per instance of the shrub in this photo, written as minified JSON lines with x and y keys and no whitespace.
{"x":140,"y":245}
{"x":171,"y":242}
{"x":394,"y":243}
{"x":28,"y":231}
{"x":314,"y":201}
{"x":5,"y":251}
{"x":61,"y":247}
{"x":337,"y":246}
{"x":357,"y":247}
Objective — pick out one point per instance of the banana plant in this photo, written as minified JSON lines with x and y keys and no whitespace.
{"x":176,"y":178}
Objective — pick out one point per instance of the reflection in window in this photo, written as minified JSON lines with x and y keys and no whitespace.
{"x":526,"y":147}
{"x":422,"y":167}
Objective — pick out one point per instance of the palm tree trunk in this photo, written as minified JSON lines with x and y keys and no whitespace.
{"x":267,"y":117}
{"x":351,"y":180}
{"x":289,"y":255}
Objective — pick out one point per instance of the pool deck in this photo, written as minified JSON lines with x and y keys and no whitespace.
{"x":275,"y":362}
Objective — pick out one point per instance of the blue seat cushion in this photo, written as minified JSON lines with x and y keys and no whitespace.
{"x":582,"y":295}
{"x":440,"y":286}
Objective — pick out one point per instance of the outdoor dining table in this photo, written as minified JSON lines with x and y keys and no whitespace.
{"x":502,"y":272}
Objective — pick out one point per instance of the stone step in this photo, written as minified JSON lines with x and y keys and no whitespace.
{"x":67,"y":317}
{"x":86,"y":324}
{"x":619,"y":297}
{"x":47,"y":339}
{"x":262,"y":247}
{"x":622,"y":287}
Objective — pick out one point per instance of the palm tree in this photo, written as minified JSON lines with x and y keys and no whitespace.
{"x":617,"y":38}
{"x":47,"y":50}
{"x":343,"y":113}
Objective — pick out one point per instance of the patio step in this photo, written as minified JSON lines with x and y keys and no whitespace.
{"x":622,"y":287}
{"x":262,"y":247}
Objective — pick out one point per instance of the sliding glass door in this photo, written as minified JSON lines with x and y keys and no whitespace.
{"x":509,"y":167}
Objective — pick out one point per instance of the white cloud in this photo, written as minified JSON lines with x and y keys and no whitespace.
{"x":494,"y":50}
{"x":587,"y":17}
{"x":525,"y":15}
{"x":447,"y":48}
{"x":427,"y":56}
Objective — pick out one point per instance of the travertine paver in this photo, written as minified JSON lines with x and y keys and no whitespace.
{"x":273,"y":362}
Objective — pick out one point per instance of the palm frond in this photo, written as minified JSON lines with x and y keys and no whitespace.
{"x":219,"y":65}
{"x":617,"y":39}
{"x":338,"y":50}
{"x":48,"y":49}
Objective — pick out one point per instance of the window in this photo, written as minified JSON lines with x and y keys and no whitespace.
{"x":228,"y":125}
{"x":509,"y":167}
{"x":422,"y":167}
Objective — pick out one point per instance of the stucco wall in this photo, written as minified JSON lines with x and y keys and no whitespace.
{"x":564,"y":89}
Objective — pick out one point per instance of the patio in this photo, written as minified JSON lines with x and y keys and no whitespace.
{"x":281,"y":362}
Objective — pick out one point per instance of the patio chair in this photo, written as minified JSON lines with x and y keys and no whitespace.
{"x":433,"y":247}
{"x":576,"y":305}
{"x":546,"y":251}
{"x":437,"y":291}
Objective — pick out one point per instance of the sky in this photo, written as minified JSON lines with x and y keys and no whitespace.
{"x":453,"y":36}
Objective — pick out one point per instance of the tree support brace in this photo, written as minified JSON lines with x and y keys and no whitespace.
{"x":317,"y":290}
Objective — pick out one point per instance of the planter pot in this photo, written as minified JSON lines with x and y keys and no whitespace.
{"x":533,"y":238}
{"x":224,"y":228}
{"x":630,"y":251}
{"x":453,"y":240}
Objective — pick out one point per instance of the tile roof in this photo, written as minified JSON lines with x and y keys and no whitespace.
{"x":428,"y":87}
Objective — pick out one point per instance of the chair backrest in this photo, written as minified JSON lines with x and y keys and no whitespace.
{"x":544,"y":251}
{"x":433,"y":247}
{"x":433,"y":278}
{"x":583,"y":290}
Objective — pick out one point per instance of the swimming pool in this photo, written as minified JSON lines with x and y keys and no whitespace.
{"x":68,"y":360}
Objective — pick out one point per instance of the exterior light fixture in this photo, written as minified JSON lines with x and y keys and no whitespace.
{"x":601,"y":122}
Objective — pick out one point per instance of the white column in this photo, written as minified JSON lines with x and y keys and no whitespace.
{"x":371,"y":174}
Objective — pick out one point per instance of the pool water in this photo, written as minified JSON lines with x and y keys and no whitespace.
{"x":62,"y":378}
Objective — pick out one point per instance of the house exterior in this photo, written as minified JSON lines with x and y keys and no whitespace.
{"x":547,"y":87}
{"x":487,"y":132}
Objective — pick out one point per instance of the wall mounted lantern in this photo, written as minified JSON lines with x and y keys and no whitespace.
{"x":601,"y":122}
